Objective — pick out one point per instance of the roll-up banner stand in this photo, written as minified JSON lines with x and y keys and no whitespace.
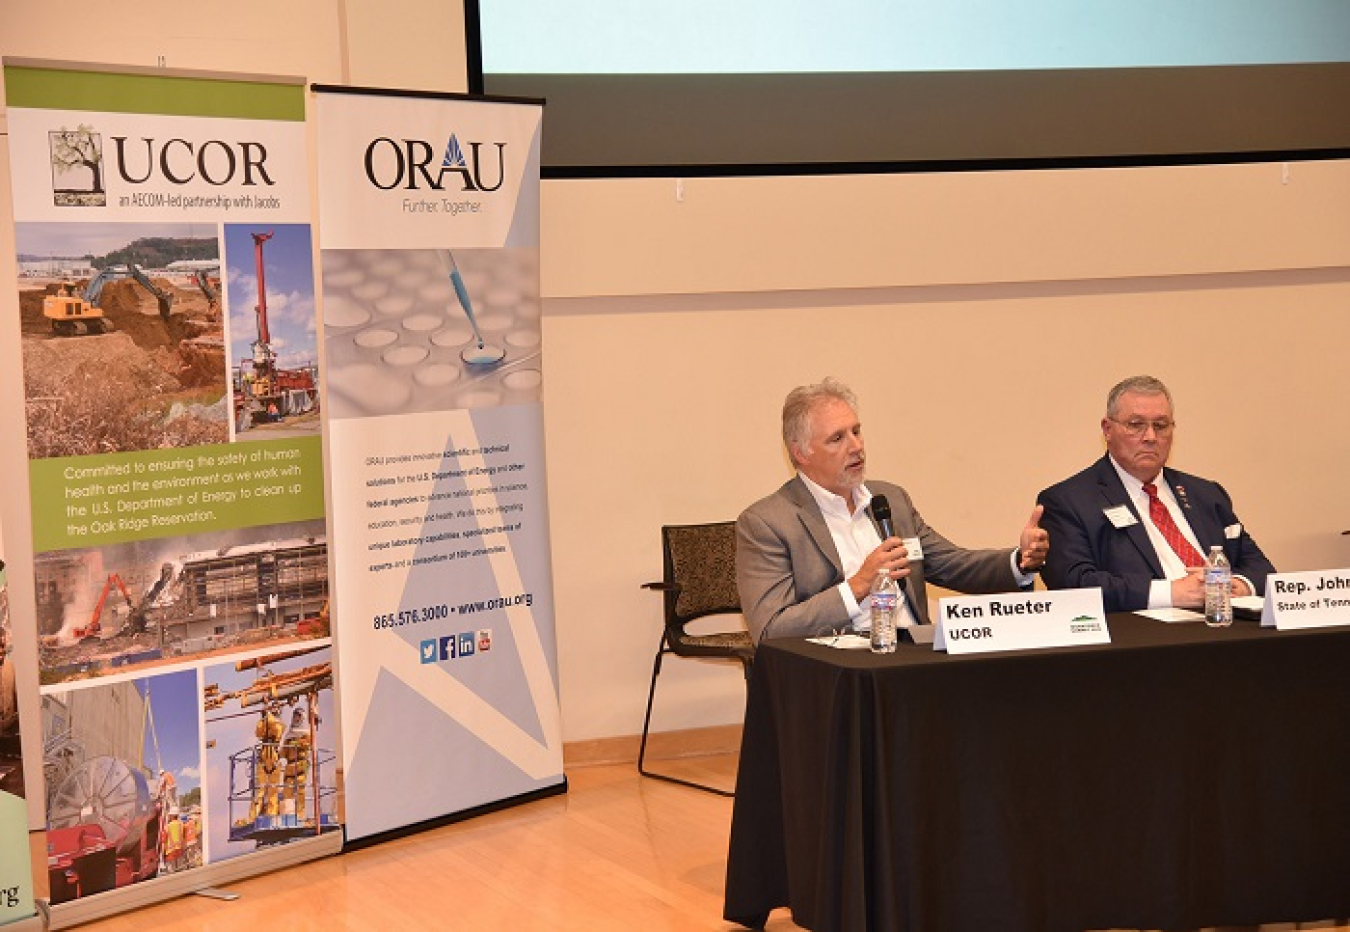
{"x":169,"y":345}
{"x":16,"y":869}
{"x":429,"y":228}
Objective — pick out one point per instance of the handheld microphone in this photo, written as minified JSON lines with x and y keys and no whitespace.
{"x":881,"y":510}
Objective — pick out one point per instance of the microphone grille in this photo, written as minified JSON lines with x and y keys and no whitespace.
{"x":881,"y":508}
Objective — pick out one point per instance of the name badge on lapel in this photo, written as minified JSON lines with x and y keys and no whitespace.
{"x":1120,"y":516}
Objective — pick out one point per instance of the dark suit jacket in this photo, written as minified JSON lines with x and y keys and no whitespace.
{"x":787,"y":567}
{"x":1087,"y":550}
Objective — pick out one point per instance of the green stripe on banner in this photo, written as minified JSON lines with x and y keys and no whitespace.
{"x":117,"y":92}
{"x":87,"y":501}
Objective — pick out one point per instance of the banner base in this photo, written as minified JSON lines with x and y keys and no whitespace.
{"x":365,"y":841}
{"x":101,"y":905}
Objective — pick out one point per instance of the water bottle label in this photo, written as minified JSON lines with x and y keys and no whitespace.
{"x":884,"y":601}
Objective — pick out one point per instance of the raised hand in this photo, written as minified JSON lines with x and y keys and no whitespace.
{"x":1034,"y":543}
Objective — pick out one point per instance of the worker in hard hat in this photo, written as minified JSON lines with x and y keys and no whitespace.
{"x":173,"y":843}
{"x":268,"y":767}
{"x":192,"y":845}
{"x":168,"y":789}
{"x":295,"y":749}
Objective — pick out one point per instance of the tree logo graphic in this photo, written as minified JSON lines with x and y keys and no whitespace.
{"x":77,"y":167}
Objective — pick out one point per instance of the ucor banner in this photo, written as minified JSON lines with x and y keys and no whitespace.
{"x":169,"y":345}
{"x":429,"y":226}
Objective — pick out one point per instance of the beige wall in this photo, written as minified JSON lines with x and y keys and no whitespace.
{"x":980,"y":316}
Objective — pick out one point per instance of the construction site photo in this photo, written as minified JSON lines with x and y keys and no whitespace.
{"x":147,"y":603}
{"x":122,"y":766}
{"x":123,"y":338}
{"x":271,"y":751}
{"x":274,"y":376}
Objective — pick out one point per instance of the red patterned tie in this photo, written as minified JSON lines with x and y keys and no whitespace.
{"x":1162,"y":519}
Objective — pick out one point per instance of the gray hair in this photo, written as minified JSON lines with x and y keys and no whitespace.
{"x":1135,"y":385}
{"x":804,"y":399}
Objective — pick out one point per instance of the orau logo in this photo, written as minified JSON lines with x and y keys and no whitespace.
{"x":411,"y":163}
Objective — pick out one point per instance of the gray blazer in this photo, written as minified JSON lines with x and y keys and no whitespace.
{"x":787,"y":566}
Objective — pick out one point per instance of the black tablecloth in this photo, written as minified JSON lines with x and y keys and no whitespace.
{"x":1178,"y":777}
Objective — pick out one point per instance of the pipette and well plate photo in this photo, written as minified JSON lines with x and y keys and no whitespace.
{"x":431,"y":329}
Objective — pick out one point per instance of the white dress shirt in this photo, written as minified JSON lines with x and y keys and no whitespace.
{"x":855,"y":536}
{"x":1160,"y":590}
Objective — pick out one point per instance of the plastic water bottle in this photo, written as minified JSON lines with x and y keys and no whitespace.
{"x":885,"y":603}
{"x":1218,"y":589}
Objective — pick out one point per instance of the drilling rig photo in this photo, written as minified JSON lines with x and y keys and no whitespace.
{"x":265,"y":392}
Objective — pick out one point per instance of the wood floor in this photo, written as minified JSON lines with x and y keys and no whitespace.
{"x":617,"y":852}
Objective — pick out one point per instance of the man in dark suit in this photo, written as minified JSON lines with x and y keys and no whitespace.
{"x":1138,"y":529}
{"x":807,"y":555}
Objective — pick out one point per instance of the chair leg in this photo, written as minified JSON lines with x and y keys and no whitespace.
{"x":646,"y":725}
{"x":647,"y":719}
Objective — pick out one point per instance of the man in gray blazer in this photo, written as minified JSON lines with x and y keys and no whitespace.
{"x":807,"y":555}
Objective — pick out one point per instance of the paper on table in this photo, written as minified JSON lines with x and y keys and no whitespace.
{"x":843,"y":641}
{"x":1171,"y":615}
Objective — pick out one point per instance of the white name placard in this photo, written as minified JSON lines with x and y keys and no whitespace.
{"x":971,"y":624}
{"x":1314,"y":599}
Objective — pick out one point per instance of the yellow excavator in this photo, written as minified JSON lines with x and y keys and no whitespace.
{"x":76,"y":314}
{"x":72,"y":315}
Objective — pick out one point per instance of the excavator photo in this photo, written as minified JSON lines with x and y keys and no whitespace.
{"x":73,"y":315}
{"x":94,"y":630}
{"x":79,"y":314}
{"x":209,"y":285}
{"x":135,"y":623}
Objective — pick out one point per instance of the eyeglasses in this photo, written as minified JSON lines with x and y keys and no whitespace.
{"x":1136,"y":428}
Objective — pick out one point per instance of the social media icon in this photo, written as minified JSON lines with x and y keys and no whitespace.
{"x":428,"y":651}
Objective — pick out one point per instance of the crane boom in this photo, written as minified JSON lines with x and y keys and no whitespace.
{"x":264,"y":332}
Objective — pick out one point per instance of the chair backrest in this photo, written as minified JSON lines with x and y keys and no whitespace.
{"x":700,"y":570}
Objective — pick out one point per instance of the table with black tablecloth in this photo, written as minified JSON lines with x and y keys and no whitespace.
{"x":1178,"y":777}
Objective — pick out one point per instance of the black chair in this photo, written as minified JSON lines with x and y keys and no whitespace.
{"x":700,"y":580}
